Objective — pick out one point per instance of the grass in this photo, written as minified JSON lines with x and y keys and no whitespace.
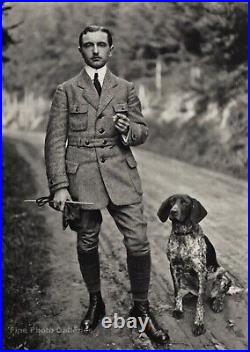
{"x":195,"y":144}
{"x":25,"y":253}
{"x":207,"y":129}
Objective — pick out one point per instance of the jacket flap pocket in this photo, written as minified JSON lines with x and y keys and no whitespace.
{"x":131,"y":161}
{"x":78,"y":109}
{"x":121,"y":107}
{"x":71,"y":167}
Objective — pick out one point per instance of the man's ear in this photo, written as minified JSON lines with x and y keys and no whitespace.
{"x":80,"y":50}
{"x":164,"y":210}
{"x":198,"y":212}
{"x":111,"y":49}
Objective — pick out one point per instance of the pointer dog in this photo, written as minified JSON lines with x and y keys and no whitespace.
{"x":193,"y":263}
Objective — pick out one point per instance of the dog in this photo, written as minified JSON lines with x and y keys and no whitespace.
{"x":193,"y":262}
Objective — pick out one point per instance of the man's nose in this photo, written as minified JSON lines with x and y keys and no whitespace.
{"x":95,"y":49}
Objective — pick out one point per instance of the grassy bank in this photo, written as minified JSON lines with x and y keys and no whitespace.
{"x":198,"y":145}
{"x":25,"y":253}
{"x":207,"y":128}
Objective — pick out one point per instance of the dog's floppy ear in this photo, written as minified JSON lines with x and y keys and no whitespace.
{"x":164,"y":210}
{"x":198,"y":211}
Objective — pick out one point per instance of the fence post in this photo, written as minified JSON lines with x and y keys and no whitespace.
{"x":158,"y":73}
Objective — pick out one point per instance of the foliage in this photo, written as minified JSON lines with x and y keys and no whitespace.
{"x":215,"y":33}
{"x":7,"y":36}
{"x":25,"y":254}
{"x":7,"y":39}
{"x":201,"y":48}
{"x":27,"y":113}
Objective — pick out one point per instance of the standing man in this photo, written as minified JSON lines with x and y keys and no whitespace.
{"x":99,"y":116}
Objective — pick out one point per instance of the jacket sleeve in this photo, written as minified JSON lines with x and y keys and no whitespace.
{"x":55,"y":141}
{"x":138,"y":131}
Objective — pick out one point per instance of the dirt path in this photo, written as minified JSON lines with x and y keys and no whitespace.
{"x":225,"y":199}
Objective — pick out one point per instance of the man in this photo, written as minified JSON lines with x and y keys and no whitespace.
{"x":99,"y":116}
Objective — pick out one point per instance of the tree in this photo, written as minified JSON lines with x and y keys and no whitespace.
{"x":7,"y":39}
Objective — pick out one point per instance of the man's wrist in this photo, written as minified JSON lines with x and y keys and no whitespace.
{"x":60,"y":190}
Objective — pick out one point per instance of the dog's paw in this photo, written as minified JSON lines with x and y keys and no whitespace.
{"x":217,"y":305}
{"x":198,"y":329}
{"x":178,"y":314}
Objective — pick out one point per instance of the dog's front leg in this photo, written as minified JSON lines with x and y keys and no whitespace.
{"x":198,"y":327}
{"x":178,"y":311}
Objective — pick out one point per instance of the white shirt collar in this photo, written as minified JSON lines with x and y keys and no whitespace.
{"x":101,"y":72}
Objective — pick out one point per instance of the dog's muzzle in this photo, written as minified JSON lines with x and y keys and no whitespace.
{"x":173,"y":214}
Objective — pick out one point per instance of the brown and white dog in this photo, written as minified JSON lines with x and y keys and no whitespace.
{"x":193,"y":263}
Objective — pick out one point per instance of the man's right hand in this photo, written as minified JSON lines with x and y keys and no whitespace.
{"x":60,"y":197}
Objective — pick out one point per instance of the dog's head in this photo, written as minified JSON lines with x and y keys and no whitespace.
{"x":181,"y":208}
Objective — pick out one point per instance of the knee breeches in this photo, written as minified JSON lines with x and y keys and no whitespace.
{"x":129,"y":220}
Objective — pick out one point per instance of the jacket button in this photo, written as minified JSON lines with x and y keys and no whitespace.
{"x":101,"y":130}
{"x":87,"y":142}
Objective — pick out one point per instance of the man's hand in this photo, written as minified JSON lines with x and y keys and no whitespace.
{"x":60,"y":198}
{"x":122,"y":123}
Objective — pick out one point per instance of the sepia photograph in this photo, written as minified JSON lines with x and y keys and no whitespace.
{"x":124,"y":175}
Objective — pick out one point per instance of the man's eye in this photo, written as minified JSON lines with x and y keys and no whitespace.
{"x":87,"y":45}
{"x":103,"y":45}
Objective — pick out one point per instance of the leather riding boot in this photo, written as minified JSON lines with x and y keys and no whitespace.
{"x":139,"y":275}
{"x":94,"y":314}
{"x":152,"y":330}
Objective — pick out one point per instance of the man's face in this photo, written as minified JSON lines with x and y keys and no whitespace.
{"x":95,"y":49}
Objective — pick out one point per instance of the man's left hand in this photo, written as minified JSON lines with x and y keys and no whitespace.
{"x":122,"y":123}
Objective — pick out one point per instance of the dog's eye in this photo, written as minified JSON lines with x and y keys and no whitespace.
{"x":170,"y":201}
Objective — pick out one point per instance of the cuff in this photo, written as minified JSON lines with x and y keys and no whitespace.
{"x":57,"y":183}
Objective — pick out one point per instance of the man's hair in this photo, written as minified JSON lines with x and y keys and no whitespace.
{"x":94,"y":28}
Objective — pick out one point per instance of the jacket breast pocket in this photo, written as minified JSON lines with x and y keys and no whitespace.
{"x":121,"y":108}
{"x":78,"y":117}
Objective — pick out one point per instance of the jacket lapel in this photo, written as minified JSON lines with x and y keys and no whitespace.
{"x":89,"y":91}
{"x":110,"y":81}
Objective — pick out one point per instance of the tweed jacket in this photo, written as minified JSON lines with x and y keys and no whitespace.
{"x":83,"y":150}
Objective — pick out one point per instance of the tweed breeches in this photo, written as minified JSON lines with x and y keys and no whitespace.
{"x":129,"y":220}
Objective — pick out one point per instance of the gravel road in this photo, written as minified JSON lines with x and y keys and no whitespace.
{"x":225,"y":199}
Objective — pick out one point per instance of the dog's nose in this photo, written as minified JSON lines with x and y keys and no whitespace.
{"x":173,"y":211}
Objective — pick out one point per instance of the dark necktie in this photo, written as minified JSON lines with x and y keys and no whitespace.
{"x":97,"y":84}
